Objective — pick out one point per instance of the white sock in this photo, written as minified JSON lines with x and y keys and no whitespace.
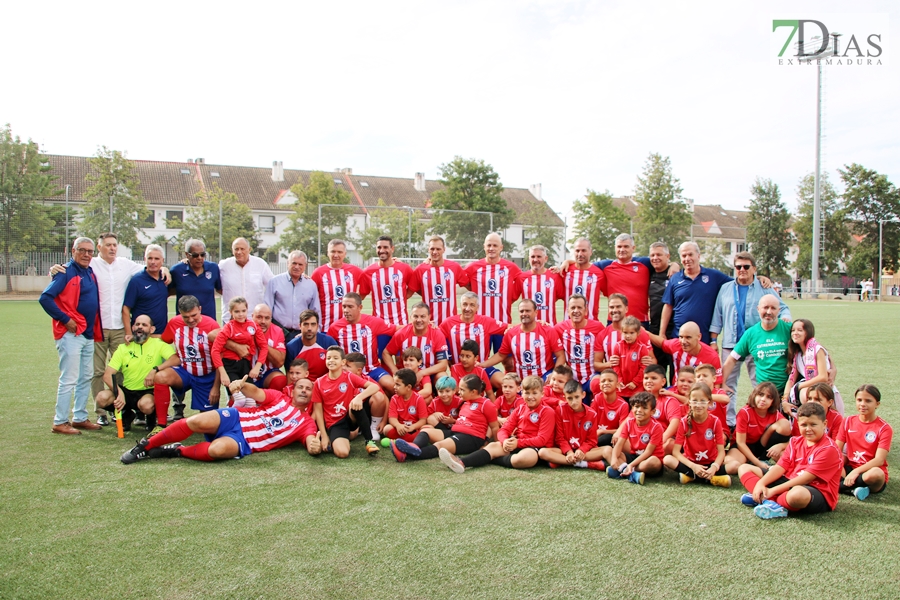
{"x":582,"y":464}
{"x":239,"y":400}
{"x":376,"y":421}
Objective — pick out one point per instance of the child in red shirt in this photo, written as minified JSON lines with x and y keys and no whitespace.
{"x":627,"y":358}
{"x":444,"y":409}
{"x":806,"y":478}
{"x":638,"y":452}
{"x":468,"y":363}
{"x":866,"y":440}
{"x":553,"y":391}
{"x":706,"y":373}
{"x":674,"y":405}
{"x":509,"y":398}
{"x":576,"y":433}
{"x":412,"y":360}
{"x":699,"y":451}
{"x":407,"y":412}
{"x":760,"y":425}
{"x":610,"y":408}
{"x":230,"y":365}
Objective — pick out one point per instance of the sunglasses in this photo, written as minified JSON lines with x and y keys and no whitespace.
{"x":743,"y":267}
{"x":197,"y":254}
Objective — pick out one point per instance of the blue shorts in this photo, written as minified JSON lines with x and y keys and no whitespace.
{"x":258,"y":382}
{"x":377,"y":373}
{"x":546,"y":375}
{"x":201,"y":387}
{"x":491,"y":370}
{"x":230,"y":427}
{"x":588,"y":395}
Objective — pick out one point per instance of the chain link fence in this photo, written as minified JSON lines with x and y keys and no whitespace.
{"x":33,"y":237}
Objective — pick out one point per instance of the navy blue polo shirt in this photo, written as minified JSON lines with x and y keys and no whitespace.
{"x":694,"y":299}
{"x":203,"y":286}
{"x":147,"y":296}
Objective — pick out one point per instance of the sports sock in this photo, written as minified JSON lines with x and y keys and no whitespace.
{"x":176,"y":432}
{"x":749,"y":480}
{"x":582,"y":464}
{"x":161,"y":398}
{"x":365,"y":427}
{"x":421,"y":439}
{"x":428,"y":452}
{"x":279,"y":382}
{"x":782,"y":500}
{"x":479,"y":458}
{"x":197,"y":451}
{"x":376,"y":421}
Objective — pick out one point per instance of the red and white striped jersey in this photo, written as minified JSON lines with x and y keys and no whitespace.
{"x":275,"y":423}
{"x":480,"y":329}
{"x":192,"y":344}
{"x":545,"y":289}
{"x":433,"y":344}
{"x":362,"y":337}
{"x":590,"y":283}
{"x":388,"y":286}
{"x":681,"y":358}
{"x":579,"y":346}
{"x":275,"y":338}
{"x":333,"y":284}
{"x":497,"y":287}
{"x":612,"y":336}
{"x":438,"y":285}
{"x":531,"y":350}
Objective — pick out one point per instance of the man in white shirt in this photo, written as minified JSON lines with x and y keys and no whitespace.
{"x":243,"y":275}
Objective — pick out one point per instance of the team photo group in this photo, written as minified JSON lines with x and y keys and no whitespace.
{"x":438,"y":368}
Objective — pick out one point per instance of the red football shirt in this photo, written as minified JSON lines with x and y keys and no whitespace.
{"x":533,"y":351}
{"x":457,"y":373}
{"x":631,"y":368}
{"x":475,"y":417}
{"x":533,"y":428}
{"x":388,"y":286}
{"x":833,"y":422}
{"x":575,"y":430}
{"x":505,"y":407}
{"x":610,"y":336}
{"x":640,"y":437}
{"x":247,"y":333}
{"x":433,"y":344}
{"x":590,"y":283}
{"x":497,"y":287}
{"x":192,"y":344}
{"x":335,"y":395}
{"x":748,"y":421}
{"x":362,"y":337}
{"x":864,"y":439}
{"x":579,"y":346}
{"x":274,"y":339}
{"x":449,"y":410}
{"x":407,"y":411}
{"x":333,"y":284}
{"x":633,"y":280}
{"x":274,"y":423}
{"x":610,"y":416}
{"x":701,"y":446}
{"x":680,"y":358}
{"x":822,"y":459}
{"x":480,"y":330}
{"x":438,"y":285}
{"x":544,"y":289}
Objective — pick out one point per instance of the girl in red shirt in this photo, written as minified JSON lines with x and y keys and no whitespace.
{"x":759,"y":426}
{"x":699,"y":451}
{"x":245,"y":332}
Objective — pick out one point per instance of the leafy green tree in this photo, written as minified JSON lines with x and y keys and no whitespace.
{"x":402,"y":225}
{"x":661,"y":213}
{"x":112,"y":179}
{"x":202,"y":222}
{"x":712,"y":251}
{"x":469,"y":185}
{"x":539,"y":231}
{"x":837,"y":235}
{"x":25,"y":225}
{"x":302,"y":233}
{"x":869,"y":198}
{"x":600,"y":221}
{"x":767,"y":228}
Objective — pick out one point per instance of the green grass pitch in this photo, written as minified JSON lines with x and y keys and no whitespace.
{"x":76,"y":523}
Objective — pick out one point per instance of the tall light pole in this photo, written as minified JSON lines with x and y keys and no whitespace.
{"x":66,"y":244}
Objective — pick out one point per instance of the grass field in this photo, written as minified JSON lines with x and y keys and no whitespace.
{"x":76,"y":523}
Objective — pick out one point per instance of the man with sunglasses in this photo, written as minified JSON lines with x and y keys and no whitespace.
{"x":735,"y":313}
{"x":198,"y":277}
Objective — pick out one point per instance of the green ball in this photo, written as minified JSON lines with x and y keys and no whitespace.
{"x":385,"y":442}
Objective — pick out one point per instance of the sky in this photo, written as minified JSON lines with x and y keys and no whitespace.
{"x":571,"y":95}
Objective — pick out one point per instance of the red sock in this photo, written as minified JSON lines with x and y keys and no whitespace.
{"x":749,"y":480}
{"x":176,"y":432}
{"x":161,"y":397}
{"x":782,"y":500}
{"x":197,"y":452}
{"x":279,"y":382}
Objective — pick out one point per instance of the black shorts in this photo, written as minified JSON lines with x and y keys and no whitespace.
{"x":236,"y":369}
{"x":132,"y":397}
{"x":341,"y":429}
{"x":465,"y":443}
{"x":629,"y":457}
{"x":817,"y":503}
{"x":605,"y":439}
{"x":445,"y":428}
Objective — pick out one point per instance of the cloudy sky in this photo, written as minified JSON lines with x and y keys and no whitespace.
{"x":572,"y":95}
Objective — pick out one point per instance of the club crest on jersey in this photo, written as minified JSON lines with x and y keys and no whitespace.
{"x":645,"y":438}
{"x":810,"y":459}
{"x":634,"y":356}
{"x":587,"y":425}
{"x":501,"y":272}
{"x":347,"y":278}
{"x":395,"y":277}
{"x":705,"y":278}
{"x":547,"y":283}
{"x":355,"y":346}
{"x":492,"y":285}
{"x":474,"y":406}
{"x":656,"y":413}
{"x":589,"y":279}
{"x":610,"y":414}
{"x":208,"y":275}
{"x":426,"y":349}
{"x":537,"y":343}
{"x":439,"y":290}
{"x":476,"y":330}
{"x":588,"y":338}
{"x":387,"y":291}
{"x":226,"y":412}
{"x":634,"y":268}
{"x":343,"y":387}
{"x":339,"y":291}
{"x":454,"y":412}
{"x":533,"y":417}
{"x":251,"y":330}
{"x":447,"y":275}
{"x":322,"y":355}
{"x":579,"y":289}
{"x":412,"y":410}
{"x":528,"y":357}
{"x":709,"y":434}
{"x":870,"y":436}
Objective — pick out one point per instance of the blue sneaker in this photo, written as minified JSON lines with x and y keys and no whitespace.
{"x":613,"y":473}
{"x":408,"y":448}
{"x":636,"y":477}
{"x":861,"y":493}
{"x":747,"y":500}
{"x":770,"y":510}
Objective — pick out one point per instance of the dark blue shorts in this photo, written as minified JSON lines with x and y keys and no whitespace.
{"x":258,"y":382}
{"x":201,"y":387}
{"x":377,"y":373}
{"x":230,"y":427}
{"x":490,"y":371}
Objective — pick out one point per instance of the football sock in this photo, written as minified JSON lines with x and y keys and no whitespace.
{"x":782,"y":500}
{"x":362,"y":420}
{"x":279,"y":382}
{"x":176,"y":432}
{"x":422,"y":439}
{"x":428,"y":452}
{"x":479,"y":458}
{"x":161,"y":397}
{"x":581,"y":464}
{"x":197,"y":452}
{"x":376,"y":421}
{"x":748,"y":480}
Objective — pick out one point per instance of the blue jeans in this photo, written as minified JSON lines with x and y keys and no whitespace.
{"x":76,"y":366}
{"x":733,"y":381}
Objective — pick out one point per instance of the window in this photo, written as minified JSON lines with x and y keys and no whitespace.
{"x":364,"y":183}
{"x":727,"y":247}
{"x":267,"y":223}
{"x":214,"y":174}
{"x":338,"y":181}
{"x":741,"y":247}
{"x":174,"y":219}
{"x":185,"y":171}
{"x":150,"y":220}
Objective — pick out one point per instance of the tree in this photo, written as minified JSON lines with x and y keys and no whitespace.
{"x":661,"y":213}
{"x":714,"y":256}
{"x":25,"y":224}
{"x":202,"y":222}
{"x":869,"y":198}
{"x":837,"y":236}
{"x":767,"y":228}
{"x":302,"y":233}
{"x":402,"y":225}
{"x":112,"y":179}
{"x":469,"y":185}
{"x":537,"y":231}
{"x":600,"y":221}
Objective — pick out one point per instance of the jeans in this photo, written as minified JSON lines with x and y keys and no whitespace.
{"x":733,"y":381}
{"x":76,"y":361}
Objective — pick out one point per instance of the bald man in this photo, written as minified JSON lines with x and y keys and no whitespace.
{"x":495,"y":280}
{"x":262,"y":316}
{"x":689,"y":350}
{"x":767,"y":342}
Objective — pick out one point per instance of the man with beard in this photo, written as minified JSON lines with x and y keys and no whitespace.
{"x":535,"y":348}
{"x":310,"y":345}
{"x":580,"y":339}
{"x":469,"y":325}
{"x":390,"y":282}
{"x":541,"y":285}
{"x":437,"y":280}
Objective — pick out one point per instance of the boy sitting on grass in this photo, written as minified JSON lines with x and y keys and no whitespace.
{"x":638,"y":452}
{"x":576,"y":433}
{"x":407,"y":412}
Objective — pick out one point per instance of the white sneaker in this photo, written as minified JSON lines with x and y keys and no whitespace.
{"x":452,"y":462}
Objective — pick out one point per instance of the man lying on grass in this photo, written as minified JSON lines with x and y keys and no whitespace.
{"x":278,"y":420}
